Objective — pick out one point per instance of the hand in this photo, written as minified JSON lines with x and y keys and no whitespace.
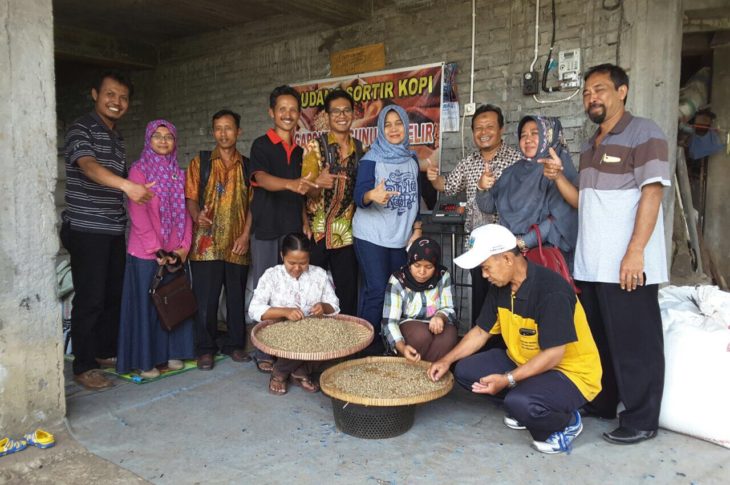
{"x":436,"y":325}
{"x":487,"y":180}
{"x":317,"y":310}
{"x":411,"y":354}
{"x":137,"y":192}
{"x":307,"y":230}
{"x":294,"y":314}
{"x":301,"y":185}
{"x":381,"y":196}
{"x":551,"y":167}
{"x":182,"y":254}
{"x":326,"y":180}
{"x":631,"y":273}
{"x":204,"y":217}
{"x":415,"y":235}
{"x":438,"y":369}
{"x":432,"y":171}
{"x":240,"y":245}
{"x":313,"y":145}
{"x":491,"y":384}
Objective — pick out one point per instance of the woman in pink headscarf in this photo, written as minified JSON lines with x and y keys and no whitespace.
{"x":162,"y":223}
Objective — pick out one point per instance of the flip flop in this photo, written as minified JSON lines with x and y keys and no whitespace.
{"x":305,"y":383}
{"x":279,"y":380}
{"x":265,"y":366}
{"x":40,"y":439}
{"x":8,"y":446}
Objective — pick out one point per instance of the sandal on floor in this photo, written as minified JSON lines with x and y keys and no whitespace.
{"x":40,"y":439}
{"x":8,"y":446}
{"x":305,"y":383}
{"x":277,"y":385}
{"x":265,"y":366}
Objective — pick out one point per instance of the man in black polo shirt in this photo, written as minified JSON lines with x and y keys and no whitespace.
{"x":279,"y":188}
{"x":551,"y":366}
{"x":93,"y":226}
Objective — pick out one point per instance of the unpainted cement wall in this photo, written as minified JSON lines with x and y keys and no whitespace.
{"x":31,"y":377}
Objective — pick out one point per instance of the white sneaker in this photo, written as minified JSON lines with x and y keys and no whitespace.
{"x":512,"y":423}
{"x":560,"y":441}
{"x":174,"y":364}
{"x":150,"y":374}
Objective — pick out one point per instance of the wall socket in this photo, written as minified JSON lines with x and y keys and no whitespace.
{"x":469,"y":109}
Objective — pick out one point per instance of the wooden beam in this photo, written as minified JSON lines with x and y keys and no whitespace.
{"x":96,"y":48}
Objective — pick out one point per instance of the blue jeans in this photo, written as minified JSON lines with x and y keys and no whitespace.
{"x":377,"y":263}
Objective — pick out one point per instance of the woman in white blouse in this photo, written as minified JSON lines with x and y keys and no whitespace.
{"x":293,"y":290}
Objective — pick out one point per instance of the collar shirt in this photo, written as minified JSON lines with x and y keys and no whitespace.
{"x":465,"y":176}
{"x":633,"y":154}
{"x":279,"y":289}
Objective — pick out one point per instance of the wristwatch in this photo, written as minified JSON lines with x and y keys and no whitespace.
{"x":511,"y":380}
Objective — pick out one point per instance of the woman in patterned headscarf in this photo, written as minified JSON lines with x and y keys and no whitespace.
{"x":523,"y":196}
{"x":162,"y":223}
{"x":418,"y":314}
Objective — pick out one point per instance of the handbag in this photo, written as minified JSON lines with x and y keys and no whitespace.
{"x":174,"y":300}
{"x":551,"y":258}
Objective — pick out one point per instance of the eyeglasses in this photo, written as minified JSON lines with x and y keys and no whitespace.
{"x":159,"y":137}
{"x":338,"y":112}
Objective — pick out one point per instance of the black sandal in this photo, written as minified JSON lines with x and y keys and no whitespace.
{"x":277,"y":391}
{"x":305,"y":383}
{"x":264,"y":366}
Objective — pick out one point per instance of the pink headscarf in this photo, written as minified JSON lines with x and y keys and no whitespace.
{"x":169,"y":181}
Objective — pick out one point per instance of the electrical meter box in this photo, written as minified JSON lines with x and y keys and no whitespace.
{"x":569,"y":69}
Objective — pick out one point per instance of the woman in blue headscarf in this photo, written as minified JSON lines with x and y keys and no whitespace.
{"x":523,"y":196}
{"x":385,"y":222}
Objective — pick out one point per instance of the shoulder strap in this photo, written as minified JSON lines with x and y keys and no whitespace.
{"x":205,"y":167}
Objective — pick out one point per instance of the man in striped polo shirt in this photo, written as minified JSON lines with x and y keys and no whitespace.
{"x":93,"y":227}
{"x":620,"y":256}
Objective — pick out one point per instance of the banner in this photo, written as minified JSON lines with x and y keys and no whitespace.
{"x":418,"y":90}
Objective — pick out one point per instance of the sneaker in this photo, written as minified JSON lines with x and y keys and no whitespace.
{"x":512,"y":423}
{"x":150,"y":374}
{"x":174,"y":364}
{"x":93,"y":380}
{"x":560,"y":441}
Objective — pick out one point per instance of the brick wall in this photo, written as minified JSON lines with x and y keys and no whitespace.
{"x":237,"y":68}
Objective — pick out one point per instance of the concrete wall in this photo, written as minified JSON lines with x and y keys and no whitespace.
{"x":237,"y":68}
{"x":717,"y":229}
{"x":31,"y":378}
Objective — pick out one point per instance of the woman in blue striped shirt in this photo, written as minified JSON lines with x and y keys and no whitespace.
{"x":418,"y":314}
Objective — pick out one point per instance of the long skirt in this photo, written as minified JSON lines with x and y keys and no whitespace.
{"x":143,"y":343}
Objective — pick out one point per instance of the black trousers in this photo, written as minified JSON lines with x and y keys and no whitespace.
{"x":543,"y":403}
{"x":97,"y":266}
{"x":209,"y":277}
{"x":627,"y":328}
{"x":479,"y":288}
{"x":342,"y":263}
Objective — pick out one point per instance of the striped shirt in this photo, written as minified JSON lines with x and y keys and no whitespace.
{"x":633,"y":154}
{"x":403,"y":304}
{"x":92,"y":207}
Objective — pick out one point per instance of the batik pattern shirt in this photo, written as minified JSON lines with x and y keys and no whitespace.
{"x":227,"y":197}
{"x":465,"y":176}
{"x":330,"y":214}
{"x":278,"y":289}
{"x":403,"y":304}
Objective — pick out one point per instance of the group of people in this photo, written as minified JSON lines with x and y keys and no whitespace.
{"x":316,"y":223}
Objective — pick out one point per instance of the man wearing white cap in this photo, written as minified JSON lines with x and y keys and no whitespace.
{"x":551,"y":366}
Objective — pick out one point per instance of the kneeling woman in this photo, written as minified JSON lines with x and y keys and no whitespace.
{"x":292,"y":291}
{"x":418,"y":315}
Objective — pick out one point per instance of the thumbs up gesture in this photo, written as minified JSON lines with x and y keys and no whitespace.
{"x":379,"y":194}
{"x":487,"y":180}
{"x":551,"y":167}
{"x":432,"y":172}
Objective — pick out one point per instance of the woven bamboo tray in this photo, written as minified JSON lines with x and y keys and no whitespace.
{"x":326,"y":382}
{"x":316,"y":356}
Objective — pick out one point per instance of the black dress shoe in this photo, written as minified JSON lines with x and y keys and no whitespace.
{"x":206,"y":362}
{"x":628,"y":436}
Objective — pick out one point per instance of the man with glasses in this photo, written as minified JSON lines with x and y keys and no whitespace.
{"x":491,"y":156}
{"x":331,"y":161}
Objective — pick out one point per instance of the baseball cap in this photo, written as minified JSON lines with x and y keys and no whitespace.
{"x":486,"y":241}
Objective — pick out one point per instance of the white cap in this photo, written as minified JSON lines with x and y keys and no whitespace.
{"x":486,"y":241}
